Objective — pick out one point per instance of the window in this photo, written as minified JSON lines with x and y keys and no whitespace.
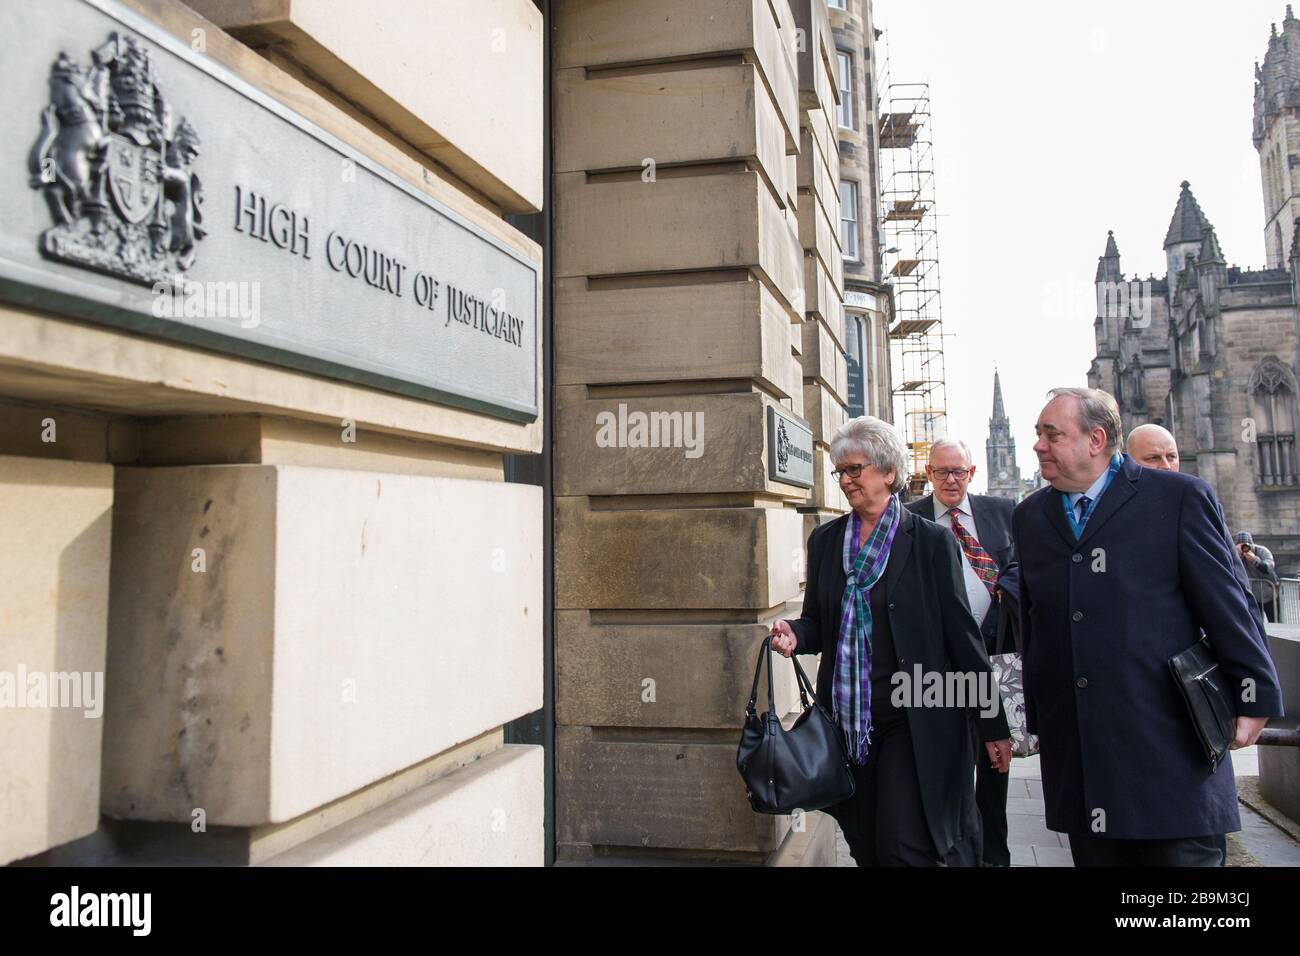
{"x":835,"y":4}
{"x":849,"y":220}
{"x":1272,"y":392}
{"x":856,"y":356}
{"x":846,"y":90}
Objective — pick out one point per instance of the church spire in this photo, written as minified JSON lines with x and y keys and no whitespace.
{"x":1000,"y":449}
{"x":1210,"y":251}
{"x":1108,"y":262}
{"x":1188,"y":223}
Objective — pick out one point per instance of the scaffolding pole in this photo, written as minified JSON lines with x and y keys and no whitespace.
{"x":910,"y":263}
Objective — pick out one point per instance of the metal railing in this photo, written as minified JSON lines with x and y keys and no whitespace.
{"x":1277,"y":737}
{"x":1287,"y":595}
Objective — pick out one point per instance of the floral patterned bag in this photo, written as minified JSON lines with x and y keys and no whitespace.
{"x":1010,"y":675}
{"x":1008,"y":670}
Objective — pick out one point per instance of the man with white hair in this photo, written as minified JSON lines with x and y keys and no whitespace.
{"x":982,"y":526}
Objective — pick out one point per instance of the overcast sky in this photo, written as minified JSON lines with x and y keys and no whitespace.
{"x":1052,"y":124}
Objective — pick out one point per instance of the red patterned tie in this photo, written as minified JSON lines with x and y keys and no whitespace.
{"x":984,"y":566}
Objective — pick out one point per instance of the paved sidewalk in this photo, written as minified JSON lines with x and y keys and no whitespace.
{"x":1259,"y":843}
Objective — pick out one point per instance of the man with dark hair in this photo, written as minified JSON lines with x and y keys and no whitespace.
{"x":1121,"y":568}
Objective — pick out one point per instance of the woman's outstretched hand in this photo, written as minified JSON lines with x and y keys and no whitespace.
{"x":783,"y":639}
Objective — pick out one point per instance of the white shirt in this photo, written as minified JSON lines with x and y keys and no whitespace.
{"x":976,"y":591}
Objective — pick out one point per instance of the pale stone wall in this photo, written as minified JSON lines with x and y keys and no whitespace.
{"x":399,"y":59}
{"x":1280,"y":144}
{"x":315,"y":604}
{"x":697,"y":264}
{"x":1271,"y":514}
{"x":53,"y":609}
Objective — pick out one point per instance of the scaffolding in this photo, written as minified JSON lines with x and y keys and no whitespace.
{"x":910,"y":263}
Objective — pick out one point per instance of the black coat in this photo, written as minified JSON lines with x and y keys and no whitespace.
{"x":932,"y":626}
{"x":993,"y":531}
{"x":1100,"y":618}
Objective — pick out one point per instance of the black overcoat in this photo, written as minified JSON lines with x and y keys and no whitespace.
{"x":932,"y":626}
{"x":993,"y":531}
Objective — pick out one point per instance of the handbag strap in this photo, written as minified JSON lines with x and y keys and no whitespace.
{"x":766,"y":652}
{"x":1004,"y":625}
{"x":805,"y":687}
{"x":763,"y":651}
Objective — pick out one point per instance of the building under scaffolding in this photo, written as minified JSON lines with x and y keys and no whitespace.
{"x":910,"y":262}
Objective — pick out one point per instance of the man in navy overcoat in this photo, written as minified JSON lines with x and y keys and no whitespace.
{"x":1121,"y":568}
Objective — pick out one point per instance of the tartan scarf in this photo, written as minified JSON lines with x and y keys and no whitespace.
{"x":852,"y":690}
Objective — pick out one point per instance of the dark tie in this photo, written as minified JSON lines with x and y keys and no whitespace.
{"x":985,"y":568}
{"x":1082,"y":505}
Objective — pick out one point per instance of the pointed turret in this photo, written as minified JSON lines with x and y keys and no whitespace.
{"x":1108,"y":262}
{"x":1211,"y":270}
{"x":1275,"y":78}
{"x":999,"y":411}
{"x":1184,"y":237}
{"x":1188,"y":223}
{"x":1210,"y":251}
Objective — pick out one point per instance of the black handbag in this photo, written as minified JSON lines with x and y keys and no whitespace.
{"x":1196,"y":672}
{"x":805,"y":767}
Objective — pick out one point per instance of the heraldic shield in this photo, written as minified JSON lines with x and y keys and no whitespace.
{"x":134,"y":178}
{"x":116,"y":172}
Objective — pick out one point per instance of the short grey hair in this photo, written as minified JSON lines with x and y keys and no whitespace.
{"x":953,"y":443}
{"x":875,"y":440}
{"x":1097,"y":409}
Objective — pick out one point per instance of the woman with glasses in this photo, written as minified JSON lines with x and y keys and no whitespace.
{"x":886,"y":607}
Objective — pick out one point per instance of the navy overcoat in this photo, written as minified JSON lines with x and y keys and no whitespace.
{"x":1100,"y":618}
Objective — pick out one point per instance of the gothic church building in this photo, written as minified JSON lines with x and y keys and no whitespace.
{"x":1210,"y":351}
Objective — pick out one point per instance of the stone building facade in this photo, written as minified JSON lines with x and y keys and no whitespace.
{"x":316,"y":604}
{"x":729,"y":307}
{"x":340,"y":621}
{"x":1000,"y":450}
{"x":1210,"y":350}
{"x":867,"y":301}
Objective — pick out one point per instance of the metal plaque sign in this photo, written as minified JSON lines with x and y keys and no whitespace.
{"x":151,"y":189}
{"x":789,"y":448}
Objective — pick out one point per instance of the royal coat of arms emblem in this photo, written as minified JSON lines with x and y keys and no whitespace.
{"x":116,"y":172}
{"x":782,"y":446}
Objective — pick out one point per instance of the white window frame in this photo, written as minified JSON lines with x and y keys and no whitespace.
{"x":844,"y":64}
{"x":849,"y":244}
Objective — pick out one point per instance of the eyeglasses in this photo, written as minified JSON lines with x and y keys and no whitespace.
{"x":852,"y":471}
{"x":943,"y":474}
